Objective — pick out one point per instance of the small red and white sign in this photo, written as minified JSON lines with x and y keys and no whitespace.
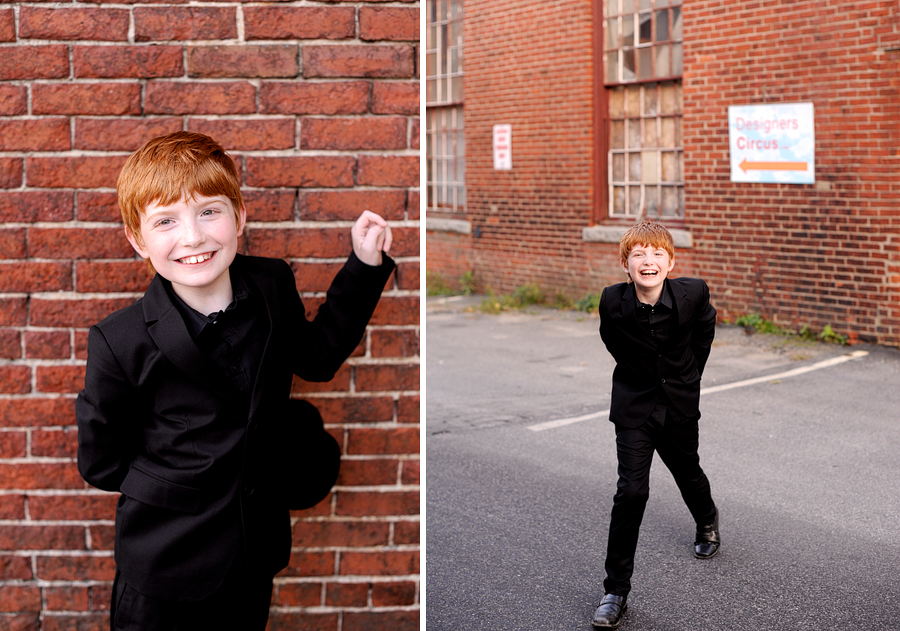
{"x":502,"y":147}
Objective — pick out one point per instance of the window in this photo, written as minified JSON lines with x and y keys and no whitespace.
{"x":643,"y":63}
{"x":445,"y":129}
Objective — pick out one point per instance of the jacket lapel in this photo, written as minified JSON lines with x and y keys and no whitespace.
{"x":168,"y":331}
{"x":263,"y":289}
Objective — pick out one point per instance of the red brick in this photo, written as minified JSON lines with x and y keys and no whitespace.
{"x":412,"y":205}
{"x":13,"y":445}
{"x":257,"y":61}
{"x":184,"y":23}
{"x":395,"y":24}
{"x":19,"y":597}
{"x":15,"y":379}
{"x":371,"y":503}
{"x":340,"y":534}
{"x":67,"y":598}
{"x":388,"y":171}
{"x":34,"y":62}
{"x":79,"y":171}
{"x":81,"y":313}
{"x":103,"y":537}
{"x":80,"y":622}
{"x":248,"y":135}
{"x":290,"y":621}
{"x":393,"y":593}
{"x":111,"y":276}
{"x":59,"y":507}
{"x":353,"y":133}
{"x":96,"y":206}
{"x":407,"y":275}
{"x":310,"y":564}
{"x":33,"y":206}
{"x":127,"y":62}
{"x":101,"y":595}
{"x":40,"y":476}
{"x":298,"y":595}
{"x":315,"y":276}
{"x":407,"y":532}
{"x":104,"y":134}
{"x":25,"y":277}
{"x":383,"y":62}
{"x":346,"y":594}
{"x":62,"y":443}
{"x":12,"y":243}
{"x":396,"y":310}
{"x":387,"y":377}
{"x":64,"y":379}
{"x":381,"y":621}
{"x":47,"y":344}
{"x":370,"y":440}
{"x":394,"y":97}
{"x":43,"y":134}
{"x":415,"y":132}
{"x":345,"y":97}
{"x":383,"y":563}
{"x":7,"y":25}
{"x":301,"y":242}
{"x":12,"y":507}
{"x":369,"y":472}
{"x":321,"y":171}
{"x":274,"y":22}
{"x":348,"y":205}
{"x":10,"y":344}
{"x":266,"y":205}
{"x":238,"y":97}
{"x":76,"y":568}
{"x":73,"y":24}
{"x":13,"y":311}
{"x":394,"y":343}
{"x":98,"y":99}
{"x":79,"y":243}
{"x":411,"y":472}
{"x":408,"y":409}
{"x":36,"y":412}
{"x":13,"y":100}
{"x":42,"y":537}
{"x":15,"y":567}
{"x":355,"y":409}
{"x":10,"y":172}
{"x":81,"y":344}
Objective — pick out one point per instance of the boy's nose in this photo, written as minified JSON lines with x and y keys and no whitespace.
{"x":191,"y":235}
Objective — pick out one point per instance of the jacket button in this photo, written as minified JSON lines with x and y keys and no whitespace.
{"x":248,"y":489}
{"x":662,"y":380}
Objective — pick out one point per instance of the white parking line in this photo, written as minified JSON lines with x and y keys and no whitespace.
{"x":834,"y":361}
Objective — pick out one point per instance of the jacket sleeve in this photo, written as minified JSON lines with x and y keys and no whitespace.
{"x":321,"y":346}
{"x":105,"y":411}
{"x":704,"y":329}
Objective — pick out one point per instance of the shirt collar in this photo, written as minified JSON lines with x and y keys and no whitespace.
{"x":196,"y":321}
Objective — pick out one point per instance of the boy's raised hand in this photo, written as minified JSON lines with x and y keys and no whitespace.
{"x":371,"y":236}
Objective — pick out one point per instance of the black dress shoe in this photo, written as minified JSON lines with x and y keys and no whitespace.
{"x":609,"y":613}
{"x":707,"y":542}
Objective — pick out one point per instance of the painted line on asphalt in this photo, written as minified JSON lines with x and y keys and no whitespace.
{"x":826,"y":363}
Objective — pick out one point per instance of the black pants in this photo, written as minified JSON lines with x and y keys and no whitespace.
{"x":677,"y":445}
{"x":240,"y":603}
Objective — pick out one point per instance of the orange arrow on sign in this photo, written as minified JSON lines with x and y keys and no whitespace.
{"x":772,"y":166}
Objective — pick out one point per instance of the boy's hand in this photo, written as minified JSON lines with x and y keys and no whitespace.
{"x":371,"y":236}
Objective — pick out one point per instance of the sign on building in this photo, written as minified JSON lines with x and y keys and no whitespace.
{"x":502,"y":147}
{"x":772,"y":143}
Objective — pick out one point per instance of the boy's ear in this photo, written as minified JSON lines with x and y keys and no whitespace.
{"x":671,"y":263}
{"x":242,"y":214}
{"x":136,"y":244}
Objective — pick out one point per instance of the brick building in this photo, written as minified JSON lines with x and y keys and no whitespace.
{"x":620,"y":109}
{"x":318,"y":102}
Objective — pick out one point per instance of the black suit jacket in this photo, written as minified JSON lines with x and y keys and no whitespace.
{"x":158,"y":421}
{"x":644,"y":370}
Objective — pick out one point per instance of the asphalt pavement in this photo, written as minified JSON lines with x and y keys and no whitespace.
{"x":803,"y":456}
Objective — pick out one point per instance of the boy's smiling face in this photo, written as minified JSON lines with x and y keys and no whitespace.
{"x":648,"y":267}
{"x":191,"y":243}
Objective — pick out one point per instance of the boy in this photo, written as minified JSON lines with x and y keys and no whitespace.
{"x":659,"y":330}
{"x":186,"y":392}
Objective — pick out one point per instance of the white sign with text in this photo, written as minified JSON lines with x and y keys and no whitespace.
{"x":502,"y":147}
{"x":772,"y":143}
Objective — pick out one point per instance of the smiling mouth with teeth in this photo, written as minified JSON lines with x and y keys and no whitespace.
{"x":648,"y":272}
{"x":193,"y":260}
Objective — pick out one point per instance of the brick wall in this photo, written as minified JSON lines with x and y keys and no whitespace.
{"x":318,"y":102}
{"x":822,"y":254}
